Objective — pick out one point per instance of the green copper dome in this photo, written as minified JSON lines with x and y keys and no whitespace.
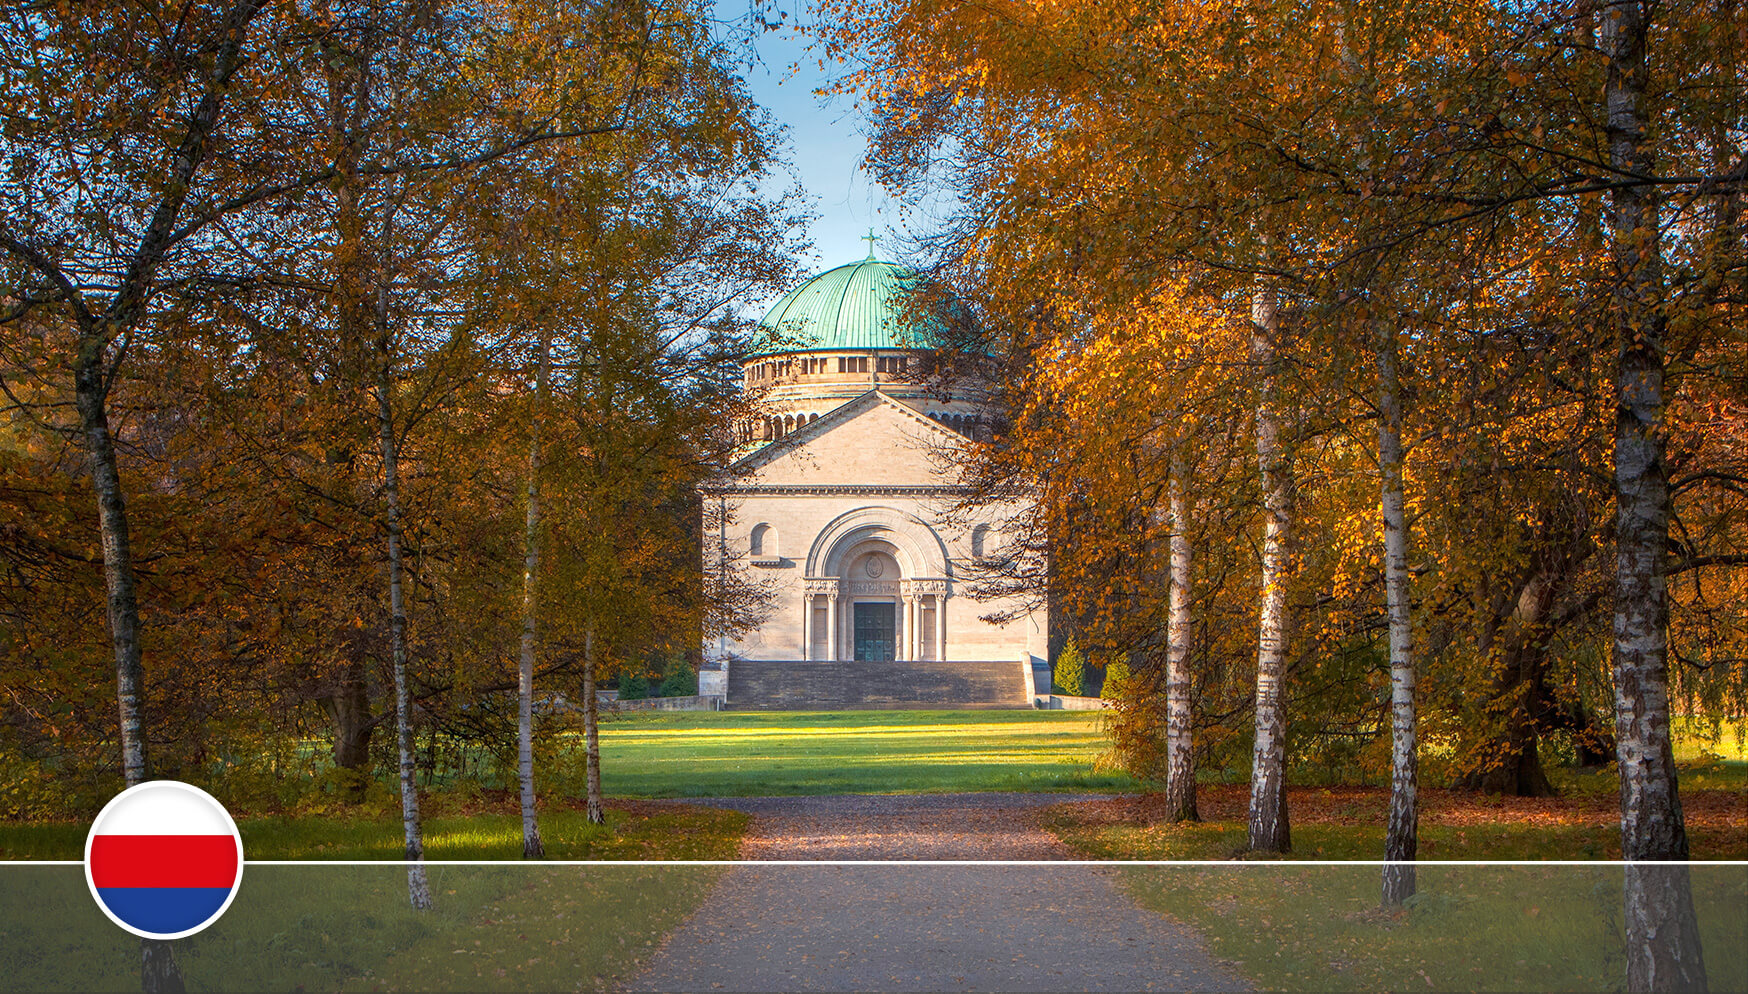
{"x":855,"y":307}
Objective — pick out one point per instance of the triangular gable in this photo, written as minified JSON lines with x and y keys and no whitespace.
{"x":871,"y":440}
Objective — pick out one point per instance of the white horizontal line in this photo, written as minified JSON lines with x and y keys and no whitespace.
{"x":1195,"y":863}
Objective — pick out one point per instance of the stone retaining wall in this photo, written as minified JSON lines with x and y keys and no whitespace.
{"x":1057,"y":702}
{"x":696,"y":702}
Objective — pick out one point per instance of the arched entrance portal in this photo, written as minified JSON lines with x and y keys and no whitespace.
{"x":873,"y":585}
{"x":876,"y":589}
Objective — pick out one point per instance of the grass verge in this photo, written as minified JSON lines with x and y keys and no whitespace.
{"x":1348,"y":823}
{"x":634,"y":830}
{"x":1482,"y":928}
{"x":521,"y":927}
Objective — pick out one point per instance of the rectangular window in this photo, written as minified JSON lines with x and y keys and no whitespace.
{"x":841,"y":367}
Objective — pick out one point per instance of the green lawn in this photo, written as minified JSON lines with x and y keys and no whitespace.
{"x":746,"y":754}
{"x":687,"y":754}
{"x":519,"y":927}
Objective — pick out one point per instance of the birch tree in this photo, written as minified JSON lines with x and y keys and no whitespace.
{"x":1180,"y":756}
{"x":418,"y":111}
{"x":1663,"y":949}
{"x":1268,"y":827}
{"x":656,"y":237}
{"x":531,"y":845}
{"x":96,"y":234}
{"x":1401,"y":836}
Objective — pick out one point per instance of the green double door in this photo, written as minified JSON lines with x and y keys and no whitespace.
{"x":876,"y":632}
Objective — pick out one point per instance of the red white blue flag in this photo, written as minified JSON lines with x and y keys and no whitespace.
{"x":164,"y":859}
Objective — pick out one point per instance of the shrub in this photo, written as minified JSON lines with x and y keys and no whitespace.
{"x":1134,"y":720}
{"x":1070,"y":671}
{"x":680,"y":680}
{"x":1117,"y":677}
{"x":633,"y":687}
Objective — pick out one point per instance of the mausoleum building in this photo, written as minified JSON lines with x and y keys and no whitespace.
{"x":847,"y":507}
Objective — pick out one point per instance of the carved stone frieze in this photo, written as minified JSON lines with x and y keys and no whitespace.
{"x":818,"y":586}
{"x":888,"y":587}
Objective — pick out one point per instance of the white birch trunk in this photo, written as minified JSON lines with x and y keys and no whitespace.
{"x":1268,"y":827}
{"x":1180,"y":757}
{"x":1663,"y":946}
{"x":158,"y":971}
{"x":418,"y":887}
{"x":597,"y":813}
{"x":531,"y":844}
{"x":118,"y":572}
{"x":1401,"y":838}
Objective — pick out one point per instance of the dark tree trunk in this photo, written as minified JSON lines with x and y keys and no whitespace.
{"x":348,"y":710}
{"x":1517,"y":769}
{"x":1514,"y":766}
{"x":1592,"y":741}
{"x":1521,"y":695}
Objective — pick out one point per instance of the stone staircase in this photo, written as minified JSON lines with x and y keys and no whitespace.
{"x":813,"y":685}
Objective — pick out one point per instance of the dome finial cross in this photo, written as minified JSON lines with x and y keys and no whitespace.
{"x":870,"y":238}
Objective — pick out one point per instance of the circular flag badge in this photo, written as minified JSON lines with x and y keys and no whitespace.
{"x":163,"y":859}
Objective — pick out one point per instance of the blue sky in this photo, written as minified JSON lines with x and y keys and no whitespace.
{"x":826,"y":143}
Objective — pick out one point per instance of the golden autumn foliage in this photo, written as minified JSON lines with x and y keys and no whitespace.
{"x":1125,"y":174}
{"x":387,"y":201}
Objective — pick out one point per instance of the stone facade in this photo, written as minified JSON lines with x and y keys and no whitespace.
{"x":850,"y":523}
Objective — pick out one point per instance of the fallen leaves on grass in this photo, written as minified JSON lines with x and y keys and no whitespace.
{"x":1454,"y":824}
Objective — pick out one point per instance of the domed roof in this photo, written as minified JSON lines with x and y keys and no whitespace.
{"x":858,"y":306}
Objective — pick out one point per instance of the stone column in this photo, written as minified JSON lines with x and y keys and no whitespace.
{"x":908,"y":639}
{"x":831,"y":626}
{"x":806,"y":626}
{"x":925,"y":608}
{"x":941,"y":627}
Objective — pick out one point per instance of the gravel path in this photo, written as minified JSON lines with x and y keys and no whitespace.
{"x":910,"y":928}
{"x":900,"y":826}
